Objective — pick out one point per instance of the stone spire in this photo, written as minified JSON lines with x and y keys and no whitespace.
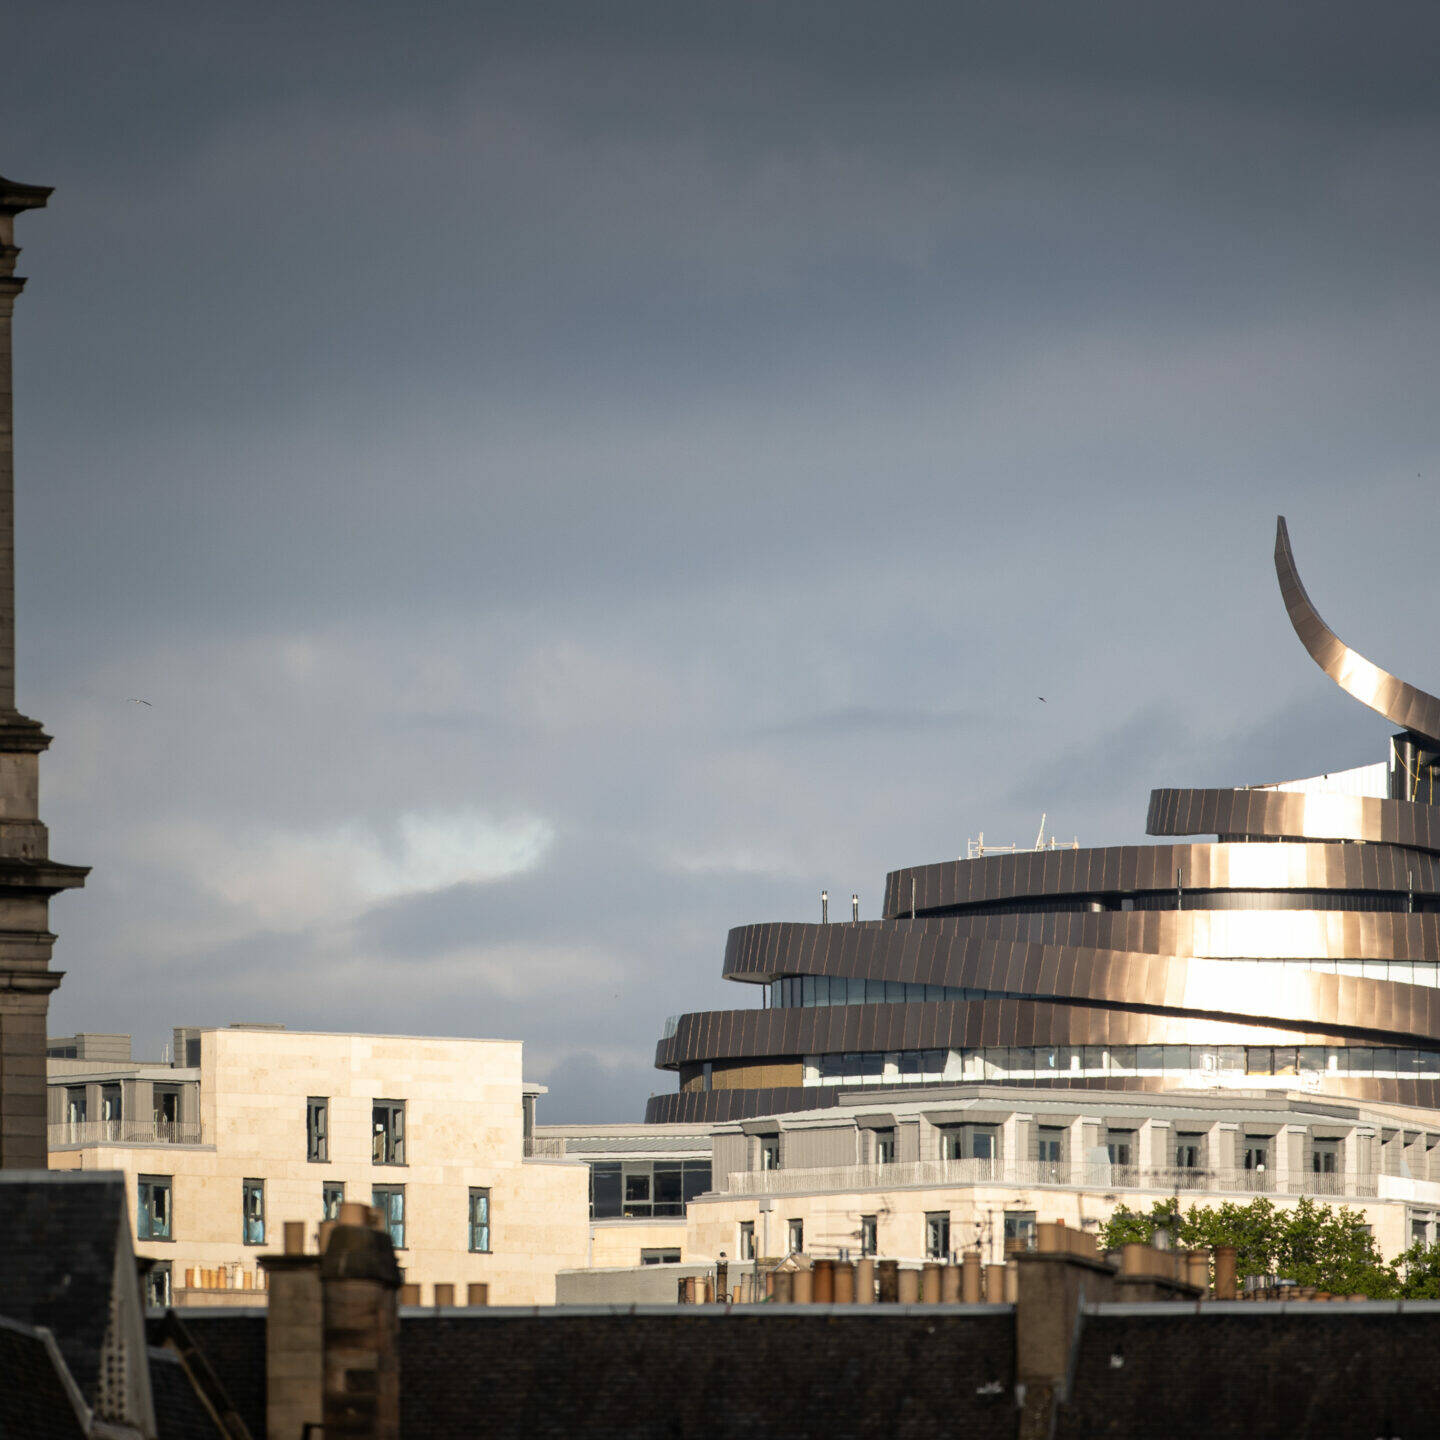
{"x":28,"y":877}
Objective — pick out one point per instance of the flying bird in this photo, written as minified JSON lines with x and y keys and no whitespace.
{"x":135,"y":700}
{"x":1042,"y":699}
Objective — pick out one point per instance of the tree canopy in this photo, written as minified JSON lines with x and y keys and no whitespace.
{"x":1313,"y":1245}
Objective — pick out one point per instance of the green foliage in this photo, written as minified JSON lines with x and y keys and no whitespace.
{"x":1418,"y":1272}
{"x":1310,"y":1244}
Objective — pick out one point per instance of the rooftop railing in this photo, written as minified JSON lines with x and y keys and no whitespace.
{"x":76,"y":1134}
{"x":1077,"y":1175}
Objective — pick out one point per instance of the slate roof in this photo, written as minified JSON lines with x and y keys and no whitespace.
{"x":1256,"y":1372}
{"x":673,"y":1372}
{"x":180,"y":1414}
{"x":234,"y":1344}
{"x":58,"y":1257}
{"x":34,"y":1402}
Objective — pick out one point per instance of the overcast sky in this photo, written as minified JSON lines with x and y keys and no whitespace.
{"x":572,"y":478}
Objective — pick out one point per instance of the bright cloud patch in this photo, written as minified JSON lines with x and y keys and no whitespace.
{"x":288,"y":878}
{"x":433,"y":852}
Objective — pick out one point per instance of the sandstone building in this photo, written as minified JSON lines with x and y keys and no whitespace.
{"x":250,"y":1126}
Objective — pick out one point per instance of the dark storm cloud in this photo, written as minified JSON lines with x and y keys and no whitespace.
{"x":574,"y":477}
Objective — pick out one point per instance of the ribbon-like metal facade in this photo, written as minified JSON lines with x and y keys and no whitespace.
{"x":1310,"y":926}
{"x":1401,"y":704}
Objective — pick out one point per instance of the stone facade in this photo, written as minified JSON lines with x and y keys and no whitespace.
{"x":28,"y":877}
{"x":1383,"y":1161}
{"x":462,"y":1131}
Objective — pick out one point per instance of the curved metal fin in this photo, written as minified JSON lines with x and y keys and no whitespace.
{"x":1386,"y":694}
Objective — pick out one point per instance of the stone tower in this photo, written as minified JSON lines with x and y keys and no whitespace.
{"x":28,"y":877}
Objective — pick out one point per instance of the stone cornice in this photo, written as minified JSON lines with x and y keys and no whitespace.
{"x":20,"y":735}
{"x":30,"y":982}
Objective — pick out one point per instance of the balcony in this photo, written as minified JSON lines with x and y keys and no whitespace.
{"x":79,"y":1134}
{"x":1027,"y":1173}
{"x":544,"y":1147}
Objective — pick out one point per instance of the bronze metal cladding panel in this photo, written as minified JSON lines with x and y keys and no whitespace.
{"x":1402,"y":704}
{"x":927,"y":959}
{"x":909,"y":940}
{"x":910,"y":1030}
{"x":1031,"y":958}
{"x":1047,"y":971}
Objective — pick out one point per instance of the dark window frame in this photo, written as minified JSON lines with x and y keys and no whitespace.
{"x":159,"y":1279}
{"x":147,"y":1187}
{"x":380,"y":1196}
{"x":869,"y":1235}
{"x":937,"y":1234}
{"x":387,"y":1137}
{"x":252,"y":1211}
{"x":317,"y":1129}
{"x":480,"y":1231}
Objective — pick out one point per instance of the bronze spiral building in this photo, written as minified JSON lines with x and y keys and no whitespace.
{"x":1298,"y":949}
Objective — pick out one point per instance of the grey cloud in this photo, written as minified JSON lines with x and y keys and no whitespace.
{"x":701,"y":429}
{"x":860,"y":719}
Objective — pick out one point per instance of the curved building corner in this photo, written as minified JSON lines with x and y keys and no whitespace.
{"x":1297,"y":948}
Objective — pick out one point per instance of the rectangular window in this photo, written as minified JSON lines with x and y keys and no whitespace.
{"x":695,"y":1179}
{"x":666,"y":1190}
{"x":937,"y":1235}
{"x":969,"y":1142}
{"x":75,"y":1105}
{"x":1324,"y":1157}
{"x":885,"y":1147}
{"x":796,"y":1237}
{"x":388,"y":1126}
{"x":389,"y":1200}
{"x":111,"y":1110}
{"x":637,"y":1189}
{"x":252,"y":1208}
{"x":480,"y":1221}
{"x":1419,"y":1232}
{"x":1120,"y":1146}
{"x":605,"y":1190}
{"x":166,"y":1107}
{"x":1255,"y":1160}
{"x":769,"y":1152}
{"x":157,"y":1285}
{"x":1189,"y":1151}
{"x":154,"y":1220}
{"x":317,"y":1128}
{"x":1019,"y":1230}
{"x":746,"y":1248}
{"x":659,"y":1257}
{"x":1050,"y":1145}
{"x":332,"y":1197}
{"x":869,"y":1234}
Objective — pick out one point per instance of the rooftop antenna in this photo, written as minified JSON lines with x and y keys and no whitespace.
{"x":824,"y":907}
{"x":854,"y":907}
{"x":1040,"y":838}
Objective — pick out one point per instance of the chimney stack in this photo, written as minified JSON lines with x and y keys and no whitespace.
{"x":332,"y":1332}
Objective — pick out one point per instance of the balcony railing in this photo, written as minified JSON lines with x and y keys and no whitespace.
{"x":545,"y":1147}
{"x":1085,"y":1175}
{"x":73,"y":1134}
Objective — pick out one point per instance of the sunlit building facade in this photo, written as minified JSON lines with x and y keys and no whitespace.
{"x":1298,"y":948}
